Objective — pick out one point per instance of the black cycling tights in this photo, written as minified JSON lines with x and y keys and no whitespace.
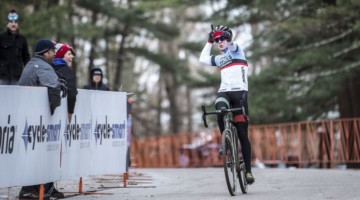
{"x":242,"y":130}
{"x":245,"y":144}
{"x":233,"y":99}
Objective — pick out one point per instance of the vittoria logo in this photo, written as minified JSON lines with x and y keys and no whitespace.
{"x":7,"y":137}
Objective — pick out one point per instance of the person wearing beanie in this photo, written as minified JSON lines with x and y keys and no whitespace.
{"x":14,"y":51}
{"x":39,"y":72}
{"x":64,"y":55}
{"x":95,"y":82}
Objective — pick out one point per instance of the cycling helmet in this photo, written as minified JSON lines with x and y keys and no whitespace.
{"x":218,"y":31}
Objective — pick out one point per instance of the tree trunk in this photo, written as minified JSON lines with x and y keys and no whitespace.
{"x":349,"y":99}
{"x":121,"y":53}
{"x":349,"y":107}
{"x":171,"y":88}
{"x":120,"y":58}
{"x":189,"y":109}
{"x":159,"y":108}
{"x":72,"y":38}
{"x":107,"y":63}
{"x":93,"y":42}
{"x":355,"y":96}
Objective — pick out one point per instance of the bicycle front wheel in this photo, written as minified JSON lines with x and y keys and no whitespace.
{"x":229,"y":162}
{"x":242,"y":179}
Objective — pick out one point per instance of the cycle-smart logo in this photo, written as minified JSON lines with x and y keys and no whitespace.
{"x":35,"y":134}
{"x":7,"y":137}
{"x":77,"y":132}
{"x":106,"y":131}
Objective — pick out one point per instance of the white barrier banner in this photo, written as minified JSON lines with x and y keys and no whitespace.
{"x":8,"y":142}
{"x":36,"y":147}
{"x":93,"y":143}
{"x":109,"y":144}
{"x":39,"y":141}
{"x":76,"y":152}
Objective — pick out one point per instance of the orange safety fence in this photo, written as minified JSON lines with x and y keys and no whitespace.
{"x":325,"y":143}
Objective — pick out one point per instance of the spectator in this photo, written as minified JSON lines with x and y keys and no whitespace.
{"x":64,"y":55}
{"x":129,"y":126}
{"x":14,"y":51}
{"x":39,"y":72}
{"x":95,"y":82}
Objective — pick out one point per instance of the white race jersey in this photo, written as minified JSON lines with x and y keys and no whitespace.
{"x":233,"y":66}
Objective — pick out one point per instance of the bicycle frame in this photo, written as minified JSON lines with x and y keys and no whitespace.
{"x":228,"y":123}
{"x":230,"y":135}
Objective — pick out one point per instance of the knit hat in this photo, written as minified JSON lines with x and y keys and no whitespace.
{"x":96,"y":71}
{"x":43,"y":45}
{"x":13,"y":16}
{"x":61,"y":49}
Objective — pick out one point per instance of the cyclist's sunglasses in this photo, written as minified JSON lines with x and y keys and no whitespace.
{"x":217,"y":40}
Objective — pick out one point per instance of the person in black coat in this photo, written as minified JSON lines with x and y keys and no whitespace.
{"x":96,"y":76}
{"x":64,"y":55}
{"x":14,"y":51}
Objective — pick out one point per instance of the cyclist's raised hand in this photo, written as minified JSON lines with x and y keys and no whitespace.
{"x":211,"y":39}
{"x":227,"y":36}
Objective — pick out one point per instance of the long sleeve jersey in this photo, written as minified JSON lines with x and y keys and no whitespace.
{"x":232,"y":64}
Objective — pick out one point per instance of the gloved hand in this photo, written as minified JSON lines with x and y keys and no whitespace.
{"x":54,"y":98}
{"x":211,"y":39}
{"x":63,"y":87}
{"x":52,"y":109}
{"x":216,"y":34}
{"x":226,"y":35}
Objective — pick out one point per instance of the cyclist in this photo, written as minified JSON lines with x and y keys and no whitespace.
{"x":233,"y":88}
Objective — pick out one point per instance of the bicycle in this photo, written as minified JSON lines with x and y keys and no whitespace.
{"x":233,"y":166}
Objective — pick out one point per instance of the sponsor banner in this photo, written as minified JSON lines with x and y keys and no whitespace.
{"x":38,"y":137}
{"x":76,"y":139}
{"x":8,"y":132}
{"x":36,"y":147}
{"x":109,"y":133}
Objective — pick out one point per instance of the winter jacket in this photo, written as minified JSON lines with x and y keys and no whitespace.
{"x":14,"y":54}
{"x":66,"y":73}
{"x":38,"y":72}
{"x":92,"y":85}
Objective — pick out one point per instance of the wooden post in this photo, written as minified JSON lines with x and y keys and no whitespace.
{"x":41,"y":192}
{"x":80,"y":185}
{"x":125,"y":177}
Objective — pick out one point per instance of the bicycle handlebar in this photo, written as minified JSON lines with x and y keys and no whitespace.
{"x":222,"y":111}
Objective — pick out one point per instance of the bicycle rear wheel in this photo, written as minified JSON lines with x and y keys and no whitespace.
{"x":229,"y":162}
{"x":242,"y":179}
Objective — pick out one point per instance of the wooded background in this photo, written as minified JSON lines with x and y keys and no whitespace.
{"x":303,"y":55}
